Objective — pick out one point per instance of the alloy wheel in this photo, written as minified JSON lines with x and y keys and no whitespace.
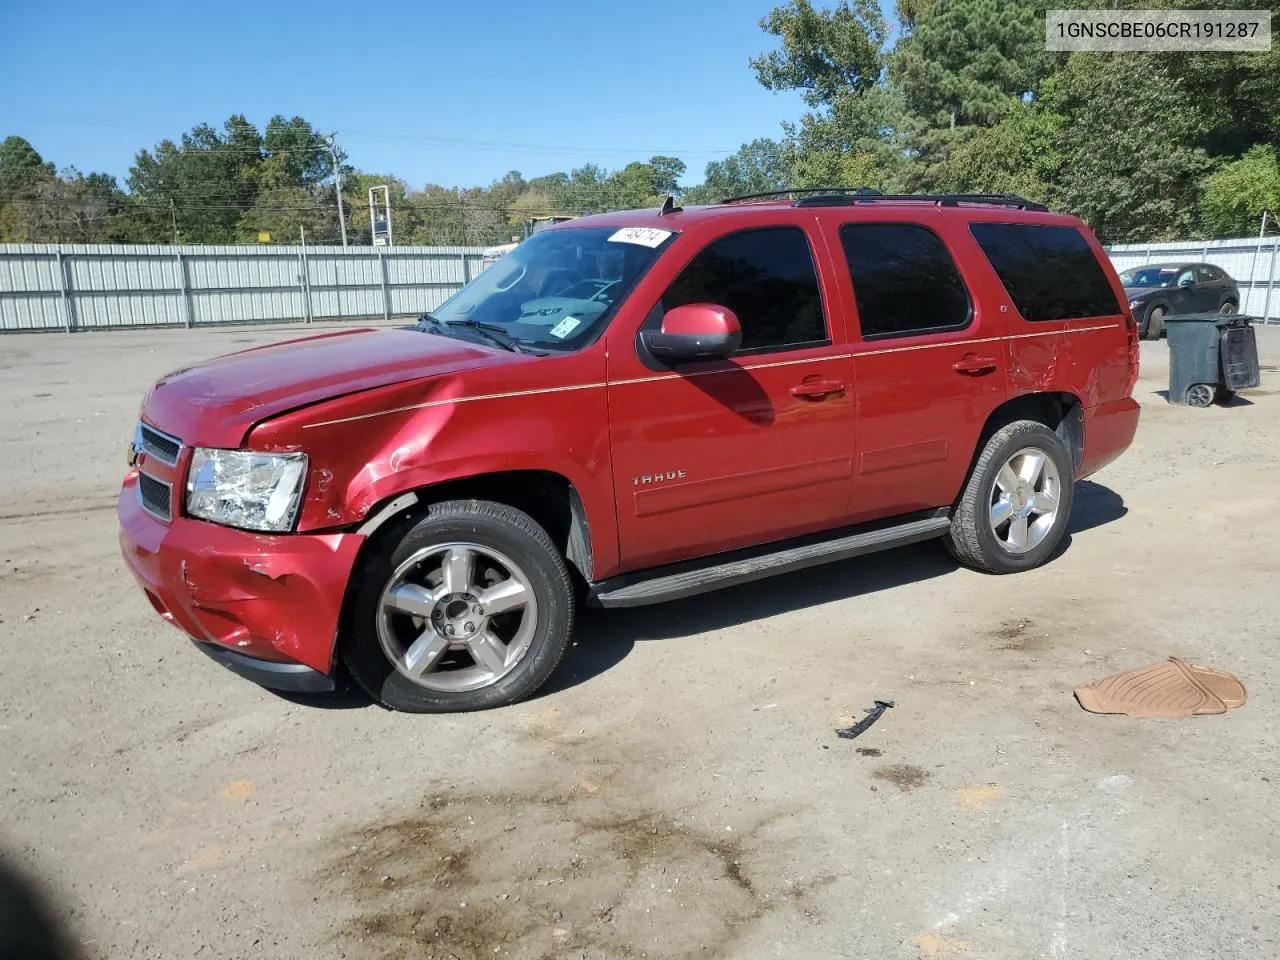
{"x":1024,"y":500}
{"x":457,"y":616}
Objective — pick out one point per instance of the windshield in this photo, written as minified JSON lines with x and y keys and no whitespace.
{"x":558,"y":288}
{"x":1149,"y":277}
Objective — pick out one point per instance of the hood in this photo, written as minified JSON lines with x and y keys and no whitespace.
{"x":215,"y":403}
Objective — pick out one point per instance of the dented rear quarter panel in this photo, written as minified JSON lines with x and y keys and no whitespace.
{"x":1087,"y":357}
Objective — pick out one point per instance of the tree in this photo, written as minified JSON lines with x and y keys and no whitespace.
{"x":873,"y":124}
{"x":756,"y":167}
{"x":1020,"y":154}
{"x":667,"y":172}
{"x":1131,"y":160}
{"x":970,"y":61}
{"x":630,"y":188}
{"x":1236,"y":195}
{"x":304,"y":158}
{"x":21,"y":168}
{"x":823,"y":52}
{"x":196,"y":190}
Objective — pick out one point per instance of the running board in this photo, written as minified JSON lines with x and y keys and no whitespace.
{"x":635,"y":590}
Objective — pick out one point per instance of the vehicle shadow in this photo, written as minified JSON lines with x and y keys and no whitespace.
{"x":1236,"y":401}
{"x":346,"y":695}
{"x":1095,"y":506}
{"x":604,"y":638}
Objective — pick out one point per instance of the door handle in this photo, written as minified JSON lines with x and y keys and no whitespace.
{"x":972,"y":365}
{"x":816,"y":389}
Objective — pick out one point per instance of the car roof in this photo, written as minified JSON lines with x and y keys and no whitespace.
{"x":868,"y":209}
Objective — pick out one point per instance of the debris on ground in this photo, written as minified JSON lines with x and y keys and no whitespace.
{"x":1170,"y":688}
{"x":872,"y":715}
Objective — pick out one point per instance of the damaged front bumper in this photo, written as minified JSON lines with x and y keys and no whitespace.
{"x":265,"y":606}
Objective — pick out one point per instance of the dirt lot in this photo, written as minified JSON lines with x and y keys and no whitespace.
{"x":679,"y":792}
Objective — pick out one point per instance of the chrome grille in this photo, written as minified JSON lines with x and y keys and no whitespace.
{"x":155,"y":496}
{"x":160,"y":445}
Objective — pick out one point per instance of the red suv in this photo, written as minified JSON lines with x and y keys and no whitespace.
{"x":625,"y":409}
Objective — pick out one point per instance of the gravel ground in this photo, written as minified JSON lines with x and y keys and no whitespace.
{"x":679,"y":790}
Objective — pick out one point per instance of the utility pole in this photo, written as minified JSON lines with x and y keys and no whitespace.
{"x":337,"y":175}
{"x":173,"y":218}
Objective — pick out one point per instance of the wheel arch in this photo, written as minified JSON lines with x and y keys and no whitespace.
{"x":549,"y":498}
{"x":1060,"y":411}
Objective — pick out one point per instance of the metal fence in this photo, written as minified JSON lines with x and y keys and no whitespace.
{"x":79,"y":287}
{"x":95,"y":287}
{"x":1250,"y":261}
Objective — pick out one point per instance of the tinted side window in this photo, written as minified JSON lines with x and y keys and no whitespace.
{"x":766,"y":277}
{"x":904,"y":280}
{"x":1208,"y":274}
{"x":1049,"y":271}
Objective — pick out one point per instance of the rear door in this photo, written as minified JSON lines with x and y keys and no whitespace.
{"x":1212,"y":283}
{"x":716,"y":455}
{"x":928,"y":362}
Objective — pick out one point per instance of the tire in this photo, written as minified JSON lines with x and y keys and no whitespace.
{"x":1155,"y":324}
{"x":973,"y":536}
{"x":1228,"y":308}
{"x":1200,"y":394}
{"x":507,"y":549}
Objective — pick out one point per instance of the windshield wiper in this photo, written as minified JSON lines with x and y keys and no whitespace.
{"x":490,"y":331}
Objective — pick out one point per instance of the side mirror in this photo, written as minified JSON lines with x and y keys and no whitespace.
{"x":1187,"y":282}
{"x":695,"y":331}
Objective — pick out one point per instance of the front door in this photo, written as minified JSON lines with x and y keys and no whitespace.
{"x":729,"y":453}
{"x":927,"y":364}
{"x":1189,"y":295}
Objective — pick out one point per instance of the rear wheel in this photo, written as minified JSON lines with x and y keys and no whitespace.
{"x":1228,"y":308}
{"x":469,"y":607}
{"x":1155,"y":323}
{"x":1014,"y":509}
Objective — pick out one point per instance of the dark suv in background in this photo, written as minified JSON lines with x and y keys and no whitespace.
{"x":1160,"y":289}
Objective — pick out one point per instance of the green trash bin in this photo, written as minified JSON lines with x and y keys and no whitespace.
{"x":1211,"y":356}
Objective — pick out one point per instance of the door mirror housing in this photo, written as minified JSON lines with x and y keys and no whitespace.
{"x":696,"y":331}
{"x":1187,"y":282}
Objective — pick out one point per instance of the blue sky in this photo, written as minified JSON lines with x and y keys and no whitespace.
{"x":444,"y":92}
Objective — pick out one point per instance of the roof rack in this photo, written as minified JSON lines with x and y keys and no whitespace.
{"x":801,"y":191}
{"x":844,"y":196}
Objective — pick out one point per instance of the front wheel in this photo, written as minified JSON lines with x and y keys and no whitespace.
{"x":467,"y":608}
{"x":1014,"y":509}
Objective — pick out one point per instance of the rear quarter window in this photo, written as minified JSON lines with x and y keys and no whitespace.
{"x":1049,"y":271}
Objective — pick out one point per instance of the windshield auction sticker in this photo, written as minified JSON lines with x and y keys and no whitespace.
{"x":645,"y":236}
{"x":1217,"y":31}
{"x":565,"y":327}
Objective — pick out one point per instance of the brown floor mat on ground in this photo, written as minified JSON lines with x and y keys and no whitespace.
{"x":1171,"y":688}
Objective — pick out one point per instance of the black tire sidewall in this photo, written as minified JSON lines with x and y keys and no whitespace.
{"x":508,"y":531}
{"x":1009,"y":441}
{"x":1152,"y":317}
